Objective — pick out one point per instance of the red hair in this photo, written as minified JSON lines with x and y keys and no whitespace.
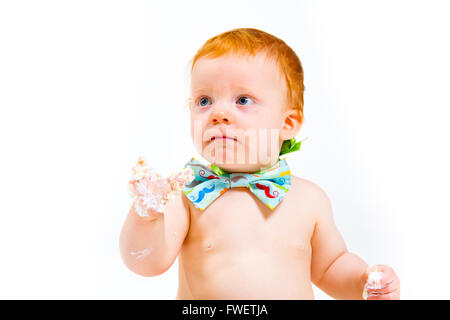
{"x":248,"y":42}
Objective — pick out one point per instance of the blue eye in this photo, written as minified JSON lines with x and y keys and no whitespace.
{"x":244,"y":99}
{"x":202,"y":101}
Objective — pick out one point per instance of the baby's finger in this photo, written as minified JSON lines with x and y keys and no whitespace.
{"x":388,"y":274}
{"x":384,"y":289}
{"x":133,"y":188}
{"x":393,"y":295}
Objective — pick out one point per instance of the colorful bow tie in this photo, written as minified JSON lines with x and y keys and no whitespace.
{"x":269,"y":185}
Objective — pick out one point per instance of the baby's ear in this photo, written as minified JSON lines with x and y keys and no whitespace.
{"x":292,"y":122}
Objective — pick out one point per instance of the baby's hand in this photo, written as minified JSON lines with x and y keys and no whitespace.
{"x":146,"y":186}
{"x":151,"y":192}
{"x":381,"y":283}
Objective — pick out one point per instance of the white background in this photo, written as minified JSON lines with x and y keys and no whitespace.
{"x":87,"y":86}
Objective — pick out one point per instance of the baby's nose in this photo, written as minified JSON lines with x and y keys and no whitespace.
{"x":221,"y":117}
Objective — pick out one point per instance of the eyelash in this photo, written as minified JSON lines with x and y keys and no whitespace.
{"x":246,"y":96}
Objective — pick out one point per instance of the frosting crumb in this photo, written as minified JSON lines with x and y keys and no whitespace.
{"x":373,"y":282}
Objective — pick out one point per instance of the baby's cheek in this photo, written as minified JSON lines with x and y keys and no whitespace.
{"x":268,"y":145}
{"x":197,"y":134}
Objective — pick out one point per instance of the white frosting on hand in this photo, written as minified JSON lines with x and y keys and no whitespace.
{"x":141,"y":169}
{"x":144,"y":178}
{"x":179,"y":179}
{"x":373,"y":282}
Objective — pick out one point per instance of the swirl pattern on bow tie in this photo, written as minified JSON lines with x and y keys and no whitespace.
{"x":269,"y":185}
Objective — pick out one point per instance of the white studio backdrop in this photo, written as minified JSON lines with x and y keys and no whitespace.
{"x":88,"y":86}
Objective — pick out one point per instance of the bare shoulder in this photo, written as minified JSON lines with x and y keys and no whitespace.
{"x":318,"y":202}
{"x":307,"y":187}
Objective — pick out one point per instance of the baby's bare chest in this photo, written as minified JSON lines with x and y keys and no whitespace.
{"x":239,"y":220}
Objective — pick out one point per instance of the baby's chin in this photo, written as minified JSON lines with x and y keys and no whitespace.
{"x":241,"y":166}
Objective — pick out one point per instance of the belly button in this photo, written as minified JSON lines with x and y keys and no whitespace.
{"x":209,"y":246}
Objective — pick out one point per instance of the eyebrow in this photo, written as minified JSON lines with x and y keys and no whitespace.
{"x":243,"y":88}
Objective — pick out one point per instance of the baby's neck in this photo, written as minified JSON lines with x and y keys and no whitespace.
{"x":238,"y":171}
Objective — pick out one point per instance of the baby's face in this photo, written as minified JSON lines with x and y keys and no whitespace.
{"x":243,"y":99}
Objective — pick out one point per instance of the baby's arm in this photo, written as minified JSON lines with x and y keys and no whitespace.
{"x":149,"y":244}
{"x":334,"y":270}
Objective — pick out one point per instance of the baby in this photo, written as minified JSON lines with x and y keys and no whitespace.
{"x":243,"y":227}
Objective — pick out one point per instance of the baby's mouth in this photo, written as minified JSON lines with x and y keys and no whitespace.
{"x":223,"y":138}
